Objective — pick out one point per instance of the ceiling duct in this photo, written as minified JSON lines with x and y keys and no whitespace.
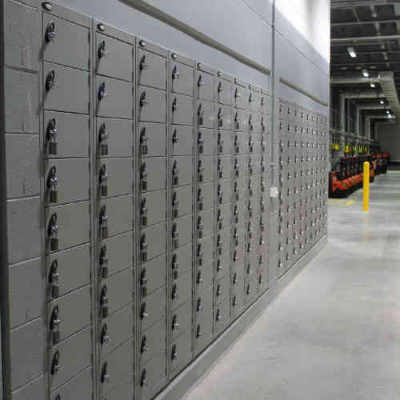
{"x":386,"y":81}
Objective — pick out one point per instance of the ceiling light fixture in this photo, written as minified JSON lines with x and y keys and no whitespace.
{"x":372,"y":84}
{"x":388,"y":112}
{"x":365,"y":73}
{"x":382,"y":102}
{"x":352,"y":52}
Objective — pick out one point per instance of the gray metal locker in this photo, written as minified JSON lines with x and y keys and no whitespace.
{"x":139,"y":220}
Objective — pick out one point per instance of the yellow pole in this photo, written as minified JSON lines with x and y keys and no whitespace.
{"x":366,"y":187}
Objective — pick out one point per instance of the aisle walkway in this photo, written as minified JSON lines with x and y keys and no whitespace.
{"x":334,"y":333}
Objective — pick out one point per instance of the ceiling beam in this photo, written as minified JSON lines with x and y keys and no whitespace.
{"x":344,"y":52}
{"x":350,"y":4}
{"x":376,"y":21}
{"x":354,"y":64}
{"x":355,"y":39}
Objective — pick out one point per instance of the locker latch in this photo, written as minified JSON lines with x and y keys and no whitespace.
{"x":104,"y":337}
{"x":103,"y":261}
{"x":52,"y":182}
{"x":105,"y":377}
{"x":103,"y":136}
{"x":55,"y":322}
{"x":50,"y":32}
{"x":102,"y":91}
{"x":103,"y":180}
{"x":54,"y":279}
{"x":104,"y":302}
{"x":52,"y":232}
{"x":101,"y":51}
{"x":55,"y":363}
{"x":52,"y":137}
{"x":103,"y":223}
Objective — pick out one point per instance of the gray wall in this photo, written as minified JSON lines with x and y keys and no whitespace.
{"x":389,"y":139}
{"x":244,"y":26}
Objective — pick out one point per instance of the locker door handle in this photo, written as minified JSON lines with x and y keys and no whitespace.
{"x":143,"y":346}
{"x":52,"y":182}
{"x":105,"y":338}
{"x":143,"y":378}
{"x":103,"y":136}
{"x":55,"y":363}
{"x":143,"y":313}
{"x":103,"y":180}
{"x":175,"y":324}
{"x":198,"y":331}
{"x":143,"y":100}
{"x":101,"y":51}
{"x":102,"y":91}
{"x":50,"y":34}
{"x":174,"y":353}
{"x":220,"y":88}
{"x":220,"y":118}
{"x":200,"y":115}
{"x":51,"y":136}
{"x":143,"y":64}
{"x":105,"y":376}
{"x":143,"y":279}
{"x":50,"y":80}
{"x":104,"y":302}
{"x":175,"y":73}
{"x":103,"y":223}
{"x":103,"y":262}
{"x":52,"y":231}
{"x":175,"y":138}
{"x":54,"y":279}
{"x":55,"y":322}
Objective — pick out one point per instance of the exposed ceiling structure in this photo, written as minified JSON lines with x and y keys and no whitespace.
{"x":365,"y":48}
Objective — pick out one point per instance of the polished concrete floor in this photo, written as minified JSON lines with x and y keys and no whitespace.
{"x":334,"y":332}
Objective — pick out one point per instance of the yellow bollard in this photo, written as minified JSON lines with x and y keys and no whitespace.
{"x":366,"y":186}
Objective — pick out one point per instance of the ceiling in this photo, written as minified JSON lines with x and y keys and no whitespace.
{"x":372,"y":28}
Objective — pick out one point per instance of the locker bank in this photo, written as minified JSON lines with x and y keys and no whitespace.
{"x":163,"y":178}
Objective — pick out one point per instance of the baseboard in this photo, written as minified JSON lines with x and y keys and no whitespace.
{"x":198,"y":369}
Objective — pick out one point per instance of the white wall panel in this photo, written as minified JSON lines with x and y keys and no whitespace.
{"x":262,"y":7}
{"x":311,"y":18}
{"x":300,"y":71}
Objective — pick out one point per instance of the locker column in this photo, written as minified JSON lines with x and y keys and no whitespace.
{"x":223,"y":98}
{"x":66,"y":198}
{"x":114,"y":181}
{"x":180,"y":212}
{"x":285,"y":181}
{"x":259,"y":130}
{"x":151,"y":145}
{"x":240,"y":152}
{"x":203,"y":189}
{"x":23,"y":291}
